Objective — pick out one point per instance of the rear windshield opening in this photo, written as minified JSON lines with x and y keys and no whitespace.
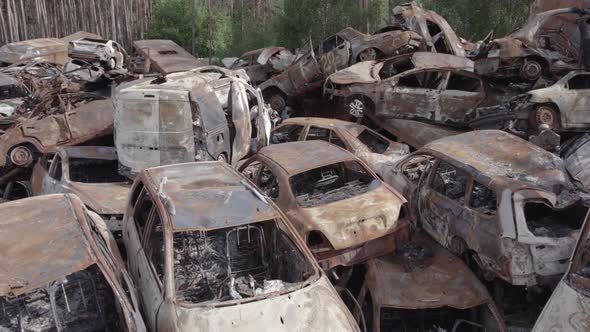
{"x":236,"y":263}
{"x":95,"y":171}
{"x":373,"y":141}
{"x":542,"y":220}
{"x":331,"y":183}
{"x":393,"y":68}
{"x":478,"y":319}
{"x":83,"y":301}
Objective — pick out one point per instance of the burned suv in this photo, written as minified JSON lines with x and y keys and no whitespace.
{"x":505,"y":203}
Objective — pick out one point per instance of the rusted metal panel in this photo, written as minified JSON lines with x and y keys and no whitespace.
{"x":165,"y":56}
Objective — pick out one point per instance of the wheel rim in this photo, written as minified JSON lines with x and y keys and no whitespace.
{"x":221,"y":157}
{"x":21,"y":156}
{"x":356,"y":108}
{"x":277,"y":103}
{"x":531,"y":70}
{"x":545,"y":115}
{"x":368,"y":54}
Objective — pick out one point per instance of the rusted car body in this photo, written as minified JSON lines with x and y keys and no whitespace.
{"x":431,"y":87}
{"x":9,"y":88}
{"x":438,"y":35}
{"x":369,"y":146}
{"x":108,"y":53}
{"x":209,"y":252}
{"x":29,"y":137}
{"x":416,"y":134}
{"x":67,"y":275}
{"x":548,"y":44}
{"x":90,"y":172}
{"x":576,"y":156}
{"x":162,"y":56}
{"x":187,"y":117}
{"x":423,"y":287}
{"x":337,"y":204}
{"x":337,"y":52}
{"x":49,"y":49}
{"x":506,"y":203}
{"x":568,"y":309}
{"x":263,"y":63}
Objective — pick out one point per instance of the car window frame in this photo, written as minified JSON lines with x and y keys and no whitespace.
{"x":430,"y":180}
{"x":442,"y":84}
{"x":469,"y":192}
{"x":144,"y":242}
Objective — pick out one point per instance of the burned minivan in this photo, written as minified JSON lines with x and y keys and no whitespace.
{"x":504,"y":203}
{"x":210,"y":253}
{"x":208,"y":113}
{"x":67,"y":274}
{"x":338,"y":205}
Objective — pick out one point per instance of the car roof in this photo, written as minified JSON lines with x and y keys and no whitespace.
{"x":502,"y":156}
{"x":208,"y":195}
{"x":40,"y":245}
{"x":90,"y":152}
{"x":297,"y":157}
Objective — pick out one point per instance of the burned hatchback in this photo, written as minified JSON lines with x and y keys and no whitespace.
{"x":209,"y":252}
{"x":504,"y":203}
{"x":338,"y":205}
{"x":67,"y":275}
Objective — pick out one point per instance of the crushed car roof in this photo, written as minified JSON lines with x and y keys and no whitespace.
{"x":297,"y":157}
{"x":503,"y":156}
{"x":90,"y":152}
{"x":208,"y":195}
{"x":55,"y":245}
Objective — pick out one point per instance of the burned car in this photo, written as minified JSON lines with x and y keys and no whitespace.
{"x":438,"y":88}
{"x":337,"y":52}
{"x":568,"y":309}
{"x":162,"y":56}
{"x":90,"y":172}
{"x":368,"y":145}
{"x":438,"y":35}
{"x":38,"y":133}
{"x":108,"y":53}
{"x":548,"y":44}
{"x":210,"y":252}
{"x":48,"y":49}
{"x":422,"y":287}
{"x":67,"y":275}
{"x":502,"y":202}
{"x":9,"y":88}
{"x":338,"y":205}
{"x":203,"y":114}
{"x":263,"y":63}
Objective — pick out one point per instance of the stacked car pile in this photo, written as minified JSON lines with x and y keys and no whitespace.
{"x":170,"y":198}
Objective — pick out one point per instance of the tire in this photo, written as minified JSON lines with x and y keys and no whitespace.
{"x":222,"y":157}
{"x":21,"y":155}
{"x":369,"y":54}
{"x":357,"y":106}
{"x":277,"y":101}
{"x":545,"y":114}
{"x":458,"y":246}
{"x":531,"y":70}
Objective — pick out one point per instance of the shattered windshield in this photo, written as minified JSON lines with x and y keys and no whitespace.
{"x":237,"y":263}
{"x":331,"y":183}
{"x":95,"y":171}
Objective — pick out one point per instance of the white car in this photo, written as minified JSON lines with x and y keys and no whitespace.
{"x":108,"y":52}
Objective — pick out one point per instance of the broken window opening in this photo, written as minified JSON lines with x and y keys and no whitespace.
{"x":579,"y":82}
{"x":373,"y":141}
{"x":331,"y":183}
{"x":95,"y":171}
{"x":154,"y":245}
{"x":143,"y":209}
{"x":167,"y":52}
{"x":463,"y":83}
{"x":436,"y":319}
{"x":415,"y":167}
{"x":323,"y":134}
{"x":544,"y":221}
{"x":82,"y":301}
{"x":268,"y":183}
{"x":450,"y":181}
{"x":237,"y":262}
{"x":391,"y":68}
{"x":425,"y":80}
{"x":483,"y":199}
{"x":57,"y":168}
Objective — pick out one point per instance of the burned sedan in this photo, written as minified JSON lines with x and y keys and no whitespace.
{"x":208,"y":113}
{"x":209,"y":252}
{"x":430,"y":87}
{"x":337,"y":52}
{"x":67,"y":274}
{"x":338,"y":205}
{"x":422,"y":287}
{"x":263,"y":63}
{"x":108,"y":53}
{"x":506,"y":204}
{"x":368,"y":145}
{"x":90,"y":172}
{"x":568,"y":308}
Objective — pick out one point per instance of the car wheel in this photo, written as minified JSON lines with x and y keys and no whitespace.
{"x":222,"y":157}
{"x":531,"y":70}
{"x":21,"y":155}
{"x":368,"y":55}
{"x":357,"y":107}
{"x":278,"y":102}
{"x":545,"y":115}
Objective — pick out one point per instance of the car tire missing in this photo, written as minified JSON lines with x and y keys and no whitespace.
{"x":369,"y":54}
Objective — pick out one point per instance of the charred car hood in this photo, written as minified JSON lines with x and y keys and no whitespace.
{"x":102,"y":198}
{"x":354,"y":221}
{"x":314,"y":308}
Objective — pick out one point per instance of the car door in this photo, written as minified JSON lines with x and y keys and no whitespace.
{"x":414,"y":94}
{"x":286,"y":133}
{"x":461,"y":93}
{"x":325,"y":134}
{"x":577,"y":91}
{"x":441,"y":201}
{"x":335,"y":55}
